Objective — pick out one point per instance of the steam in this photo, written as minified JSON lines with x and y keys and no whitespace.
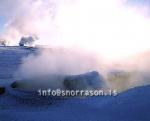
{"x":3,"y":42}
{"x":27,"y":41}
{"x":24,"y":18}
{"x":58,"y":62}
{"x":111,"y":29}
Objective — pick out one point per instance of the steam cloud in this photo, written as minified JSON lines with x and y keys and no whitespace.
{"x":50,"y":67}
{"x":100,"y":26}
{"x":29,"y":17}
{"x":59,"y":62}
{"x":27,"y":41}
{"x":111,"y":29}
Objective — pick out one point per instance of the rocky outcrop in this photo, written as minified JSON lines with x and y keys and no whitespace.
{"x":90,"y":80}
{"x":2,"y":90}
{"x":14,"y":84}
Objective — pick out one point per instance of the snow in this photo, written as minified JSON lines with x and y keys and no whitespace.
{"x":131,"y":105}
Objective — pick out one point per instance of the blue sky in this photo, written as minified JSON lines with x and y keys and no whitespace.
{"x":2,"y":22}
{"x":139,"y":2}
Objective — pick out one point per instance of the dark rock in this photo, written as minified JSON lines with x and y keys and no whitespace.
{"x":2,"y":90}
{"x":14,"y":84}
{"x":90,"y":80}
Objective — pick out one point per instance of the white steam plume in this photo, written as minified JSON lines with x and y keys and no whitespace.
{"x":111,"y":27}
{"x":58,"y":62}
{"x":27,"y":18}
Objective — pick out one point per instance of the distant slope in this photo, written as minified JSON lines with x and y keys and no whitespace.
{"x":10,"y":59}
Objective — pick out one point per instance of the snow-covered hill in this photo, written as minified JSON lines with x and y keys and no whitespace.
{"x":131,"y":105}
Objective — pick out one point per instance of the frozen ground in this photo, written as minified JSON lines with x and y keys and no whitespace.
{"x":132,"y":105}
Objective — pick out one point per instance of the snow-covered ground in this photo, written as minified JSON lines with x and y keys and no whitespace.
{"x":131,"y":105}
